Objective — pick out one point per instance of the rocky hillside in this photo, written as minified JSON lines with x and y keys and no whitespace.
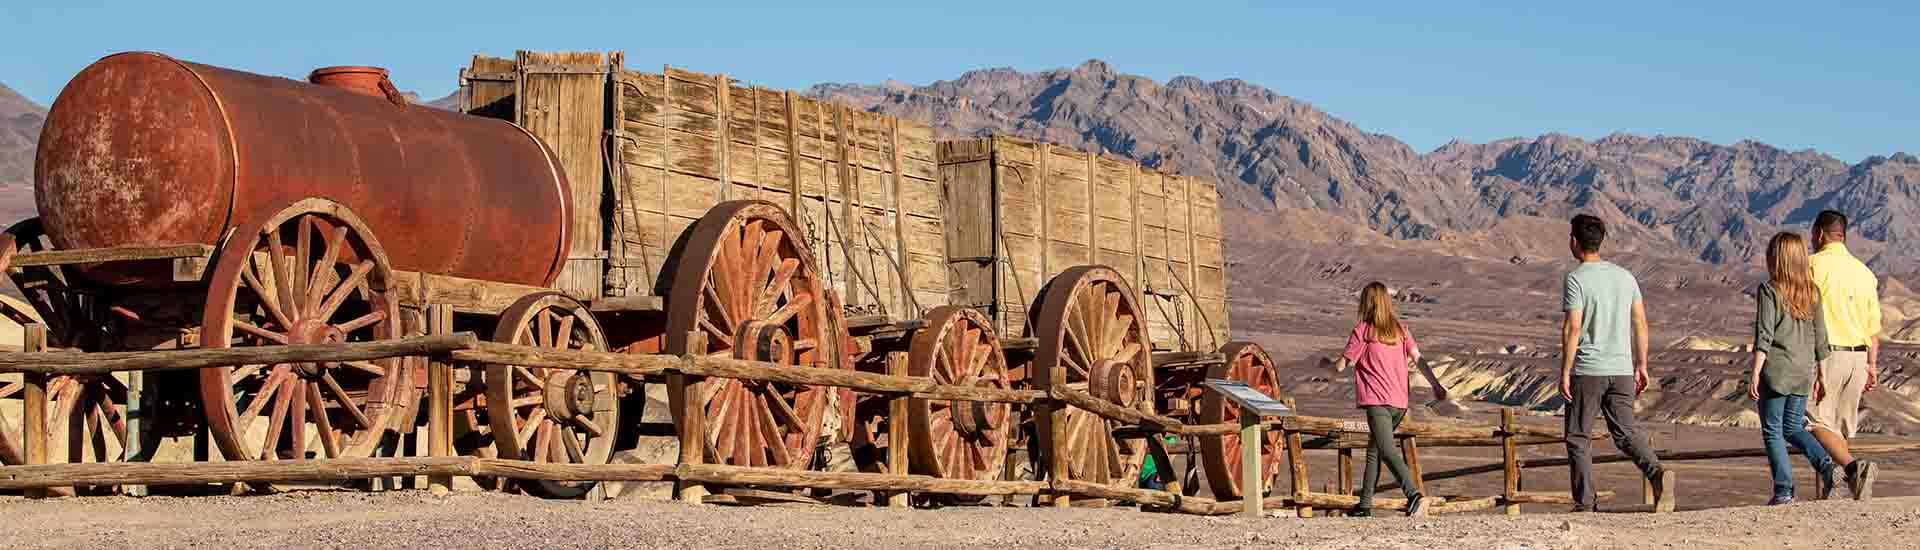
{"x":1668,"y":195}
{"x":20,"y":121}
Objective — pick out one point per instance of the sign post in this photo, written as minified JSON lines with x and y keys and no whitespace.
{"x":1254,"y":408}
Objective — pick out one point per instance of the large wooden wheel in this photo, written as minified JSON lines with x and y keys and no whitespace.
{"x":746,"y":281}
{"x":959,"y":439}
{"x":1093,"y":338}
{"x":1220,"y":454}
{"x":86,"y":419}
{"x":311,"y":273}
{"x":554,"y":415}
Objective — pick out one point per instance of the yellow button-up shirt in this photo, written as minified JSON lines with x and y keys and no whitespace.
{"x":1849,"y":296}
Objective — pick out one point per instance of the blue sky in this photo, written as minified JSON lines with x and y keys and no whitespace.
{"x":1841,"y":78}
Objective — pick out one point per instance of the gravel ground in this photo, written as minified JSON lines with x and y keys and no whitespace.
{"x":411,"y":519}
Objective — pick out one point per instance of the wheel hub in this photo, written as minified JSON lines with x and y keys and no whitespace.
{"x":974,"y":418}
{"x":760,"y":341}
{"x":313,"y":331}
{"x":569,"y":395}
{"x":1114,"y":381}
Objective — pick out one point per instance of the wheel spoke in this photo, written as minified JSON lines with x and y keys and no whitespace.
{"x":282,"y":273}
{"x":563,"y":336}
{"x":115,"y":422}
{"x":344,"y":289}
{"x":719,"y":334}
{"x":276,"y":423}
{"x":346,"y":401}
{"x":269,"y":298}
{"x":250,"y":328}
{"x":329,"y":441}
{"x":542,"y":441}
{"x":365,"y":366}
{"x":303,"y":252}
{"x":718,"y":306}
{"x":1114,"y":327}
{"x":317,"y":285}
{"x":297,"y":417}
{"x":770,"y":430}
{"x":535,"y":419}
{"x":264,"y":395}
{"x":778,"y":286}
{"x":572,"y":445}
{"x":792,"y":308}
{"x":362,"y":322}
{"x":781,"y":410}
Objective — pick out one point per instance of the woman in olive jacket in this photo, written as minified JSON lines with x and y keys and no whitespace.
{"x":1789,"y":347}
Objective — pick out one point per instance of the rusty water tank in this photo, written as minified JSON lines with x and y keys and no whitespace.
{"x":145,"y":149}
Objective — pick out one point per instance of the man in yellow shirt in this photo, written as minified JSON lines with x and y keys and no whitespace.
{"x":1850,"y":301}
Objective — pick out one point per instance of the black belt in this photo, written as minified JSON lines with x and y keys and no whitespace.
{"x":1847,"y":348}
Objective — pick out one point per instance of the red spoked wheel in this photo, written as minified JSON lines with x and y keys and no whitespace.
{"x":312,"y":273}
{"x":1220,"y":454}
{"x":1093,"y":338}
{"x":746,"y":280}
{"x":554,"y":415}
{"x":959,"y":439}
{"x":86,"y":419}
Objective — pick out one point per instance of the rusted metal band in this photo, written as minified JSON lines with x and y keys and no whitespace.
{"x":233,"y":147}
{"x":562,"y":250}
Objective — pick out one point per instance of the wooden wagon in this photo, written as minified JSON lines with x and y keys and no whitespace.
{"x":938,"y":251}
{"x":705,"y":218}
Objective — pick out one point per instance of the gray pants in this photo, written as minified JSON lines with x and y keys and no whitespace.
{"x":1611,"y":397}
{"x":1381,"y":422}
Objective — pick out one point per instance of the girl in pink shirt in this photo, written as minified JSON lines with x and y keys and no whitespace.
{"x":1379,"y":348}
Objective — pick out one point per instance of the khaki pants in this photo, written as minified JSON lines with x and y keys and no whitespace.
{"x":1845,"y":379}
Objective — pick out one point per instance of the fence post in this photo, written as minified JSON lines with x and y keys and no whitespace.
{"x":1297,"y":463}
{"x":684,"y":392}
{"x":1056,"y":411}
{"x":33,"y":429}
{"x":1251,"y":485}
{"x":1646,"y":484}
{"x":1411,"y":449}
{"x":897,"y":443}
{"x":440,"y":398}
{"x":1510,"y":453}
{"x":1345,"y":486}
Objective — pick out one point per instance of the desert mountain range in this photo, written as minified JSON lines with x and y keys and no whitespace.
{"x":1666,"y":195}
{"x":1296,"y":172}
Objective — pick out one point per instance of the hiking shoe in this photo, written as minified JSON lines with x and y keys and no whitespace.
{"x":1663,"y":488}
{"x":1360,"y":513}
{"x":1417,"y":508}
{"x":1780,"y":500}
{"x":1861,"y":482}
{"x":1825,"y":481}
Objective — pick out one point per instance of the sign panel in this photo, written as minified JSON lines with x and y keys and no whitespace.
{"x":1249,"y":398}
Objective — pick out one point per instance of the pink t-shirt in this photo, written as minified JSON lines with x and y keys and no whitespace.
{"x":1380,"y":370}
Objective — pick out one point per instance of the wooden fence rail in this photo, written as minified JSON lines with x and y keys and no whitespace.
{"x":447,"y":350}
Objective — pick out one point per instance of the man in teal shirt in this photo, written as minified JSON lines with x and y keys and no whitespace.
{"x":1603,"y":362}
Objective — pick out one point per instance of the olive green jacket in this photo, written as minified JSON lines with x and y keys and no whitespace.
{"x":1792,"y":345}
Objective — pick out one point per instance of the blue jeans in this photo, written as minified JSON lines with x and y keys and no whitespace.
{"x":1783,"y":421}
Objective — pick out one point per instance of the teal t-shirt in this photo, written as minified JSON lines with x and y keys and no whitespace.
{"x":1604,"y":293}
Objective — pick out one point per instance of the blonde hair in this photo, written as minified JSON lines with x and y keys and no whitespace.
{"x":1376,"y":311}
{"x":1792,"y":279}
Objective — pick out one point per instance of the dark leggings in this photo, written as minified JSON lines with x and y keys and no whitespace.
{"x":1381,"y":422}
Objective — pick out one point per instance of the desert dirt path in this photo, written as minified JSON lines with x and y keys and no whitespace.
{"x":330,"y":519}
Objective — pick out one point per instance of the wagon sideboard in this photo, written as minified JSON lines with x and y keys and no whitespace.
{"x":648,"y":153}
{"x":897,"y":222}
{"x":1021,"y":212}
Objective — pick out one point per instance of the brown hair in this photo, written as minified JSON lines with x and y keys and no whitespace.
{"x":1792,"y":279}
{"x":1376,"y":311}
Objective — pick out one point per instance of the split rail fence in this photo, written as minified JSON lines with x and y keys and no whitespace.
{"x":448,"y":350}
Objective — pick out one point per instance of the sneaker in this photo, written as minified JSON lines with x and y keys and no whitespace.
{"x":1780,"y":500}
{"x":1861,"y":482}
{"x":1360,"y":513}
{"x":1581,"y":509}
{"x":1825,"y":481}
{"x":1417,"y":508}
{"x":1664,"y":481}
